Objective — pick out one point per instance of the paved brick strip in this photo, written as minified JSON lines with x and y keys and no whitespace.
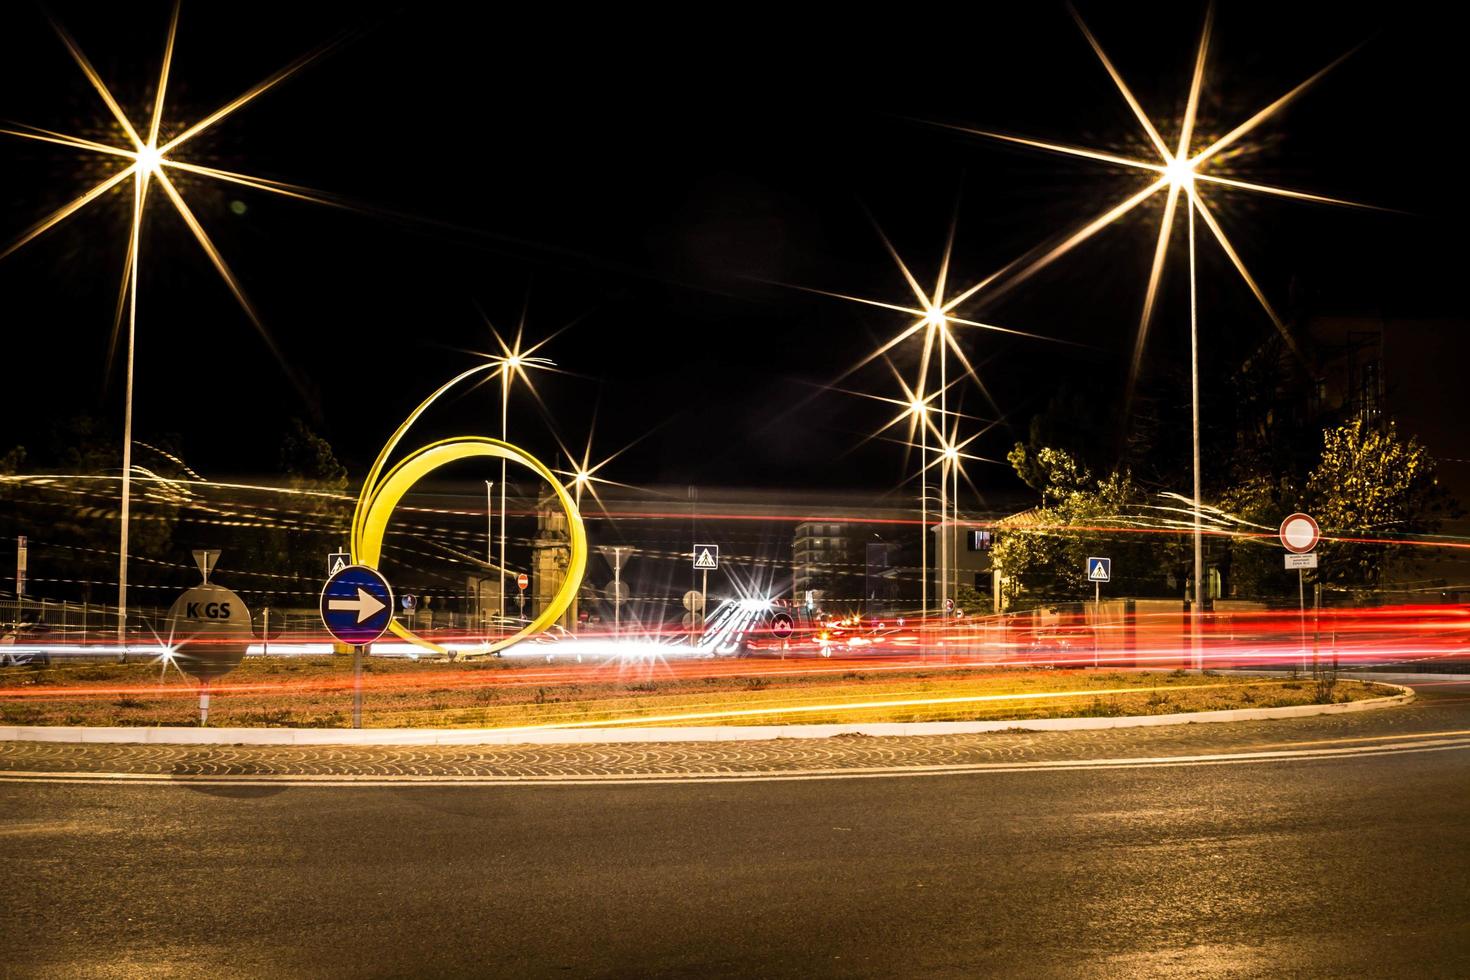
{"x":729,"y":758}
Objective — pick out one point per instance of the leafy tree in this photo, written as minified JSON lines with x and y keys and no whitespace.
{"x":76,"y":520}
{"x":1043,"y":555}
{"x":1253,"y":565}
{"x":308,"y":461}
{"x":312,"y":514}
{"x":1370,"y":483}
{"x":1053,"y":473}
{"x":972,"y":600}
{"x":12,"y":461}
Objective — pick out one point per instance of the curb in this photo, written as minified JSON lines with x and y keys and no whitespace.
{"x":604,"y":736}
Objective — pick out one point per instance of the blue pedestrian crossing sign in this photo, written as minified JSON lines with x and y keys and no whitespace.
{"x":357,"y":605}
{"x":1099,"y":569}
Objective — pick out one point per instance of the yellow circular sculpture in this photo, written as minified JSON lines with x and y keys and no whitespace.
{"x":381,"y":494}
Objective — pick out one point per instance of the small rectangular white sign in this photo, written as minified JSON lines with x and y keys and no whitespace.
{"x":1302,"y":561}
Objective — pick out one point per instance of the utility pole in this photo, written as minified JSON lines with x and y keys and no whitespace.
{"x":490,"y":550}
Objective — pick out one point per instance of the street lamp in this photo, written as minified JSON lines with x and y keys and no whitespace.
{"x":919,"y":410}
{"x":513,"y":361}
{"x":950,"y":472}
{"x":1178,"y":171}
{"x":147,"y":163}
{"x":490,"y":545}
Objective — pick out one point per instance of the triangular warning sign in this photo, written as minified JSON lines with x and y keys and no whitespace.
{"x":338,"y":565}
{"x":705,"y":560}
{"x":1099,"y":572}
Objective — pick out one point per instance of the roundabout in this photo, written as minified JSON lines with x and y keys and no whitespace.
{"x":1182,"y":850}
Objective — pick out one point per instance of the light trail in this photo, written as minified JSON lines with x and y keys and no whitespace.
{"x":1429,"y":634}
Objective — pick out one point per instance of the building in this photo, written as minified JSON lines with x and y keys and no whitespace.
{"x":846,"y":566}
{"x":824,"y":562}
{"x":969,"y":565}
{"x":551,"y":556}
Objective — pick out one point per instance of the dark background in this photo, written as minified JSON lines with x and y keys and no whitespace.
{"x":665,"y":182}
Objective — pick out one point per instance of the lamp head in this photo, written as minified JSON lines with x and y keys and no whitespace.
{"x":149,"y":159}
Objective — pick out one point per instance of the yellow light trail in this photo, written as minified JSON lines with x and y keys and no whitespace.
{"x":857,"y":706}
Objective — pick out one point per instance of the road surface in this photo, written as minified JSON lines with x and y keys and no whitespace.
{"x":1347,"y":854}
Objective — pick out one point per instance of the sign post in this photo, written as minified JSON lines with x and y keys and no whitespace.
{"x":614,"y":554}
{"x":357,"y":608}
{"x":523,"y":581}
{"x":209,"y":628}
{"x":1099,"y":570}
{"x":20,"y":566}
{"x":694,"y":603}
{"x":706,"y":560}
{"x":206,"y":559}
{"x":1299,"y":535}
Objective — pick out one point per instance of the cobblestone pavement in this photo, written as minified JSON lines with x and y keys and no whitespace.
{"x":1441,"y":707}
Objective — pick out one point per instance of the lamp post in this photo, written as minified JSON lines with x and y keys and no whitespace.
{"x":920,"y":411}
{"x":1178,"y":172}
{"x":490,"y":544}
{"x":512,"y":361}
{"x":509,"y":365}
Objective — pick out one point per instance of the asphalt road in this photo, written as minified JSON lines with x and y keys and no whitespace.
{"x":1356,"y":864}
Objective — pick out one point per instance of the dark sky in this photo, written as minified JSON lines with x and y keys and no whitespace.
{"x":657,"y":180}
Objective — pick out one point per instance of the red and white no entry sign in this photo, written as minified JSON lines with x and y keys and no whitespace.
{"x":523,"y":580}
{"x":1300,"y":533}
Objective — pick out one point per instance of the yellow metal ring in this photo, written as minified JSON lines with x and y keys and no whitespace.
{"x":379,"y":498}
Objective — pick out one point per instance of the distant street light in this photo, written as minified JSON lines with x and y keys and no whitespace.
{"x":149,"y":162}
{"x":1177,"y":172}
{"x":512,"y":362}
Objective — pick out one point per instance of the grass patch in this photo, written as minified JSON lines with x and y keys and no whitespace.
{"x":317,"y":692}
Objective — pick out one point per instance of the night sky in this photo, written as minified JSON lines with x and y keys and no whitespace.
{"x":663,"y":185}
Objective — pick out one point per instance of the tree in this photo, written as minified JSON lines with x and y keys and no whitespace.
{"x":1370,"y":484}
{"x":1252,"y":564}
{"x":12,"y":461}
{"x":308,"y":461}
{"x":315,"y":504}
{"x":1042,"y":555}
{"x":71,"y":510}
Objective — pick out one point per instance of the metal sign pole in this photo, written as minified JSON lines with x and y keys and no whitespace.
{"x":357,"y":686}
{"x":1301,"y":592}
{"x":617,"y":592}
{"x":203,"y":703}
{"x":1317,"y":629}
{"x":490,"y":551}
{"x":703,"y":598}
{"x":1096,"y":617}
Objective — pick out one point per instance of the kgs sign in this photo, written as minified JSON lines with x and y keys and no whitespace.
{"x":209,"y":606}
{"x":209,"y":628}
{"x":199,"y":609}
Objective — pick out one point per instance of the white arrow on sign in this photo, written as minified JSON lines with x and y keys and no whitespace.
{"x":366,"y":604}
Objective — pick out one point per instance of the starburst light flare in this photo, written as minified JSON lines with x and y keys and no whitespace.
{"x":1180,"y":171}
{"x":516,"y":360}
{"x":583,"y":472}
{"x":147,"y":159}
{"x":1177,"y":171}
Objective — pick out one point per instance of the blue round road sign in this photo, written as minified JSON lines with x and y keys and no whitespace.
{"x":357,"y":605}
